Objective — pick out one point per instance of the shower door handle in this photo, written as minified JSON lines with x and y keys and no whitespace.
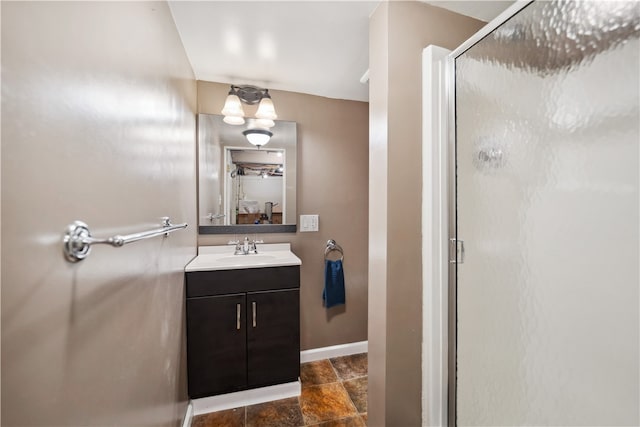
{"x":456,"y":251}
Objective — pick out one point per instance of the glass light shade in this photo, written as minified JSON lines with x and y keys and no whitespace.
{"x":233,"y":106}
{"x":257,"y":137}
{"x":266,"y":110}
{"x":233,"y":120}
{"x":264,"y":123}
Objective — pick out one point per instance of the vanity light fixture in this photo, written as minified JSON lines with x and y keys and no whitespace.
{"x":258,"y":137}
{"x":259,"y":133}
{"x":250,"y":95}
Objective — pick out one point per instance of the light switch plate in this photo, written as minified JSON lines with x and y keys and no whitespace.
{"x":309,"y":223}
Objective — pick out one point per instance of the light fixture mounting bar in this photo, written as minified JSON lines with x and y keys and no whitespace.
{"x":250,"y":94}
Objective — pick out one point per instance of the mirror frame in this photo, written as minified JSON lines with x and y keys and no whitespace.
{"x":291,"y":153}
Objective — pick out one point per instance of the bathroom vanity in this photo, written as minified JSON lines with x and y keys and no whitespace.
{"x":243,"y":319}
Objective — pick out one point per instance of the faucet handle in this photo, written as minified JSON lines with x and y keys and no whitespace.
{"x":233,"y":242}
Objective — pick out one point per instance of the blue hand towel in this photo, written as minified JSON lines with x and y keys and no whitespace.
{"x":333,"y":292}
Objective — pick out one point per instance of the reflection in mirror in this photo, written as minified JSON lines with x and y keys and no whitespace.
{"x":244,"y":189}
{"x":255,"y":186}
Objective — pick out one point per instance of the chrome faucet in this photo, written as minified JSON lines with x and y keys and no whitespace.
{"x":247,"y":247}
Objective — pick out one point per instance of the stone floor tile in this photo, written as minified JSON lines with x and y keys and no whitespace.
{"x":279,"y":413}
{"x":318,"y":372}
{"x":343,"y":422}
{"x":348,"y":367}
{"x":357,"y":389}
{"x":327,"y":400}
{"x":325,"y":403}
{"x":227,"y":418}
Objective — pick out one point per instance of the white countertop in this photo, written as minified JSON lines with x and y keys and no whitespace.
{"x":212,"y":258}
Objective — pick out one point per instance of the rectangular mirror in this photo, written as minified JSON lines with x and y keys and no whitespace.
{"x":243,"y":189}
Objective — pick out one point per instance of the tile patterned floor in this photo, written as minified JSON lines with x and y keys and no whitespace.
{"x":334,"y":394}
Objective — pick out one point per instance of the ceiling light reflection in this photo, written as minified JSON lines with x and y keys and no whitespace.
{"x":266,"y":47}
{"x":232,"y":41}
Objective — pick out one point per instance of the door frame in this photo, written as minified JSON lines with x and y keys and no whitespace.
{"x":450,"y":188}
{"x":434,"y":236}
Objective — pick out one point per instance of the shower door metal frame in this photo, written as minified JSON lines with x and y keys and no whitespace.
{"x":452,"y":196}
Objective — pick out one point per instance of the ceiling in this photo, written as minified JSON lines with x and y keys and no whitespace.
{"x":479,"y":9}
{"x":313,"y":47}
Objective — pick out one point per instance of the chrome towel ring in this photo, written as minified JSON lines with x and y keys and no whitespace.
{"x":333,"y":246}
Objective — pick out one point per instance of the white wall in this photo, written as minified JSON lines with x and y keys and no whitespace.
{"x":98,"y":124}
{"x":263,"y":190}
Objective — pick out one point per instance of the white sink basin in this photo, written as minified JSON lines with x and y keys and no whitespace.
{"x":222,"y":258}
{"x":246,"y":259}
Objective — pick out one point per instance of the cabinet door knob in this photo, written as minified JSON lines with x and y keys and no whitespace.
{"x":253,"y":307}
{"x":238,"y":309}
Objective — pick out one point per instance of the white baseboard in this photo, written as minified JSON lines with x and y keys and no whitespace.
{"x":246,"y":397}
{"x":271,"y":393}
{"x":188,"y":416}
{"x":333,"y":351}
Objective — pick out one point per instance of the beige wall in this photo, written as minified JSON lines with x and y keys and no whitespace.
{"x":332,"y":182}
{"x":378,"y":132}
{"x":399,"y":31}
{"x":98,"y":124}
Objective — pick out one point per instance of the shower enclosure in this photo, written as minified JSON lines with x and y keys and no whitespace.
{"x":544,"y":285}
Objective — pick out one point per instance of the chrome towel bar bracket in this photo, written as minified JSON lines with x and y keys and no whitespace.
{"x":77,"y":239}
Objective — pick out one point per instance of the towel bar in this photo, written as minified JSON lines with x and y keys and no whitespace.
{"x":333,"y":246}
{"x":77,"y":240}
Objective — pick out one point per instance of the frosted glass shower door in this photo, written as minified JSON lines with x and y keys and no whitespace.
{"x":547,"y":159}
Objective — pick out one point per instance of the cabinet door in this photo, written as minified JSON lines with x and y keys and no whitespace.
{"x":273,"y":337}
{"x":216,"y":345}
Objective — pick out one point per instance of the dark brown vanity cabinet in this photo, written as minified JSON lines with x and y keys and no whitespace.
{"x":243,"y":329}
